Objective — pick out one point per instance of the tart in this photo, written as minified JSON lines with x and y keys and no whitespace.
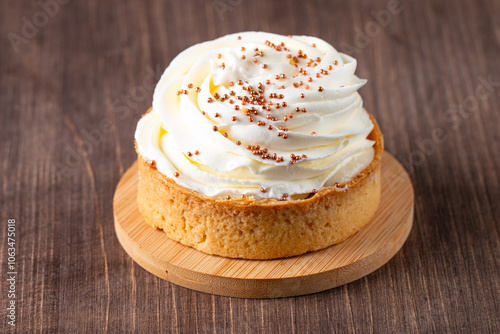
{"x":257,"y":147}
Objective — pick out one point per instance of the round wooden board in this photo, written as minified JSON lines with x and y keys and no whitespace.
{"x":366,"y":251}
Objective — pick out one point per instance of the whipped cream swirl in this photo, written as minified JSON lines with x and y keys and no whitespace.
{"x":260,"y":115}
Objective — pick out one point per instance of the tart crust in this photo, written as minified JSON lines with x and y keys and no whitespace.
{"x":260,"y":229}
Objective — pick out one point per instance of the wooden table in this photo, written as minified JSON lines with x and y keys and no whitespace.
{"x":76,"y":77}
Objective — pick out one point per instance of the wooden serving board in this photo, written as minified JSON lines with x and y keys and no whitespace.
{"x":366,"y":251}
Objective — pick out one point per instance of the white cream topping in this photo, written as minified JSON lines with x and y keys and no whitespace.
{"x":178,"y":134}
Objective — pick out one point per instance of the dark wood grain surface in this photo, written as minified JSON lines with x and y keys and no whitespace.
{"x":75,"y":78}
